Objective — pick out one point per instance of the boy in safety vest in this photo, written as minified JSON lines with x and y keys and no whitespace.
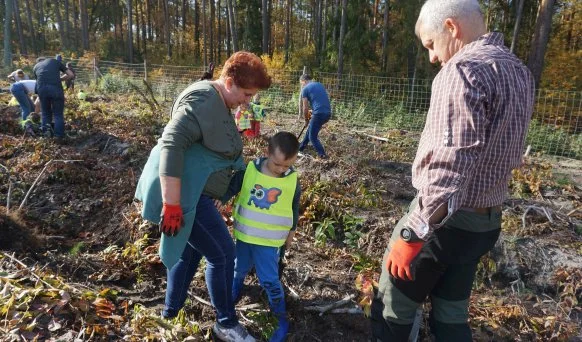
{"x":265,"y":217}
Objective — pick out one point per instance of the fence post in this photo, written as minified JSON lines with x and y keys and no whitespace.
{"x":300,"y":88}
{"x":145,"y":70}
{"x":95,"y":70}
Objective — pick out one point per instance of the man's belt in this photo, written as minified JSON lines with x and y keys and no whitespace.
{"x":487,"y":210}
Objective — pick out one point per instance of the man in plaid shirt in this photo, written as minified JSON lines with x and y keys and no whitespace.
{"x":481,"y":104}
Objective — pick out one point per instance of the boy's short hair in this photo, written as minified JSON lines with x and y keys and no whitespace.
{"x":286,"y":142}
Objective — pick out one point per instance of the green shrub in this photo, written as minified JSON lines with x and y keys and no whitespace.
{"x":576,"y":145}
{"x":324,"y":230}
{"x":553,"y":140}
{"x":113,"y":83}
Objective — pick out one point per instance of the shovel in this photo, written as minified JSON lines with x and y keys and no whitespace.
{"x":302,"y":130}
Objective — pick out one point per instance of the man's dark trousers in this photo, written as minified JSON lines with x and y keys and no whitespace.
{"x":444,"y":270}
{"x":52,"y":104}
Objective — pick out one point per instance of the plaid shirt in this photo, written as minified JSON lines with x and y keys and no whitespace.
{"x":480,"y":108}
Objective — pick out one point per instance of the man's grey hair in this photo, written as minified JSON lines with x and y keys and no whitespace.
{"x":434,"y":13}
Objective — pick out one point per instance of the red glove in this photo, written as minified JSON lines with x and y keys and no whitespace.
{"x":172,"y":219}
{"x":401,"y":255}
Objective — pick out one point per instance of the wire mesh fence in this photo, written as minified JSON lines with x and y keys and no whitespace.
{"x":359,"y":100}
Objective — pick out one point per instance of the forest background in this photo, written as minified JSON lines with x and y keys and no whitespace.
{"x":372,"y":37}
{"x":80,"y":229}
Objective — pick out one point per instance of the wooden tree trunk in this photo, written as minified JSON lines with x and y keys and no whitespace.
{"x":266,"y":27}
{"x":336,"y":20}
{"x":67,"y":24}
{"x":41,"y":23}
{"x":167,"y":28}
{"x":176,"y":16}
{"x":211,"y":28}
{"x":197,"y":30}
{"x":119,"y":19}
{"x":76,"y":26}
{"x":228,"y":37}
{"x":204,"y":34}
{"x":159,"y":33}
{"x":183,"y":10}
{"x":488,"y":17}
{"x":23,"y":49}
{"x":184,"y":14}
{"x":311,"y":28}
{"x":317,"y":29}
{"x":149,"y":15}
{"x":60,"y":23}
{"x":31,"y":26}
{"x":9,"y":5}
{"x":129,"y":31}
{"x":232,"y":23}
{"x":375,"y":13}
{"x":137,"y":26}
{"x":218,"y":32}
{"x":84,"y":24}
{"x":385,"y":36}
{"x":143,"y":29}
{"x":288,"y":29}
{"x":323,"y":50}
{"x":271,"y":27}
{"x":342,"y":34}
{"x":516,"y":27}
{"x":540,"y":38}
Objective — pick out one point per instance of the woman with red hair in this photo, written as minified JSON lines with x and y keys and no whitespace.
{"x":189,"y":168}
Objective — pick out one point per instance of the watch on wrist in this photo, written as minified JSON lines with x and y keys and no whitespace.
{"x":408,"y":235}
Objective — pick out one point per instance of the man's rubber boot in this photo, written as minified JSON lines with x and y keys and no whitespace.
{"x":280,"y":312}
{"x":237,"y":286}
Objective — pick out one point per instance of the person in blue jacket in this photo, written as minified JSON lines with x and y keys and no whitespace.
{"x":191,"y":167}
{"x":49,"y":88}
{"x":314,"y":94}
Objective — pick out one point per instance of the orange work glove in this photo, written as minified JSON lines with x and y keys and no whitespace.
{"x":401,"y":255}
{"x":172,"y":219}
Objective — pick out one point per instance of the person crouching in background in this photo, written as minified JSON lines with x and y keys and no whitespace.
{"x":248,"y":118}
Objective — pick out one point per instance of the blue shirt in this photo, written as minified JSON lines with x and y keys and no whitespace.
{"x":317,"y":97}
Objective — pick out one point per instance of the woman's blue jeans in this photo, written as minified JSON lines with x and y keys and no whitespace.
{"x":317,"y":121}
{"x":209,"y":238}
{"x":20,"y":94}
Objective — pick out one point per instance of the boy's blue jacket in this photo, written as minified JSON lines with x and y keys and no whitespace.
{"x":199,"y":163}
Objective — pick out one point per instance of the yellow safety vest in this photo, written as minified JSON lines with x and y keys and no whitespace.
{"x":82,"y":95}
{"x":244,"y":119}
{"x":254,"y":112}
{"x":263,"y":212}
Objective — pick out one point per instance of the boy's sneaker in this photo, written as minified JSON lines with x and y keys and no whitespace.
{"x":237,"y":333}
